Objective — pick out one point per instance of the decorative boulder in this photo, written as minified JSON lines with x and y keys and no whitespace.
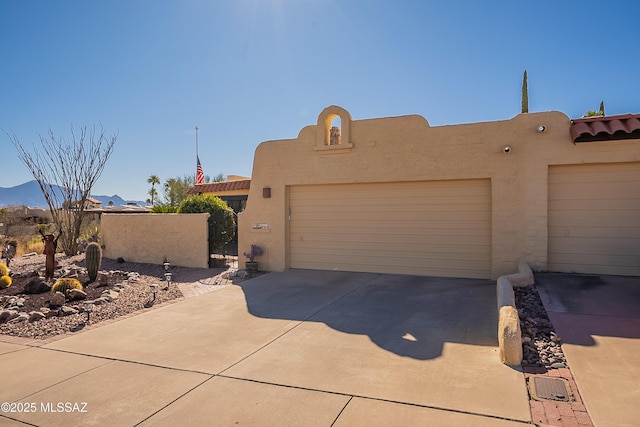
{"x":21,"y":317}
{"x":110,"y":295}
{"x":6,"y":315}
{"x":34,"y":316}
{"x":76,"y":294}
{"x":58,"y":299}
{"x":37,"y":286}
{"x":68,"y":311}
{"x":103,"y":278}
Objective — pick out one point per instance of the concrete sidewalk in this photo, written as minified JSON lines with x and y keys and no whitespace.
{"x":598,"y":319}
{"x":295,"y":348}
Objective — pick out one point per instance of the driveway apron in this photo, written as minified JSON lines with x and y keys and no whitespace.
{"x":598,"y":319}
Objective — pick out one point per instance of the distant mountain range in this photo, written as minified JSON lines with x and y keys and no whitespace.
{"x":29,"y":194}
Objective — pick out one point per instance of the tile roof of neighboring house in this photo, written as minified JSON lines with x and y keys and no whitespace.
{"x":605,"y":128}
{"x":94,"y":201}
{"x":218,"y":187}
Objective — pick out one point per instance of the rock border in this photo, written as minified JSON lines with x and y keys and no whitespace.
{"x":509,"y":332}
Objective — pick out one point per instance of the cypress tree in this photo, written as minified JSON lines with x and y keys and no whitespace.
{"x":525,"y":93}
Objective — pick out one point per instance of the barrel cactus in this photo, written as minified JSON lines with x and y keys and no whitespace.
{"x":64,"y":284}
{"x":5,"y":282}
{"x":4,"y":270}
{"x":93,"y":257}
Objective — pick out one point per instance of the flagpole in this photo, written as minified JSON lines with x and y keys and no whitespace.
{"x":197,"y":128}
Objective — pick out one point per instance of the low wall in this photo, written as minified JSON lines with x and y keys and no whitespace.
{"x":509,"y":332}
{"x":149,"y":238}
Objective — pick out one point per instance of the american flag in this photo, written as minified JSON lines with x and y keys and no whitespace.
{"x":199,"y":172}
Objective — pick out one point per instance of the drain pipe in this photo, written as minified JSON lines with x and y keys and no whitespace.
{"x":509,"y":333}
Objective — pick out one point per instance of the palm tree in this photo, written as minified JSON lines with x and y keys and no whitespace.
{"x":153,"y":180}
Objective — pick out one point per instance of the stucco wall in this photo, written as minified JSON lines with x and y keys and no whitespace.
{"x":408,"y":149}
{"x":182,"y":238}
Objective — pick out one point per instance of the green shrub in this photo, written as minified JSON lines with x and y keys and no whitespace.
{"x":5,"y":282}
{"x":221,"y":222}
{"x":164,"y":209}
{"x":4,"y":271}
{"x":64,"y":284}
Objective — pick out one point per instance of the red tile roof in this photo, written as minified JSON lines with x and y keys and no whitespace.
{"x":605,"y":128}
{"x":219,"y":187}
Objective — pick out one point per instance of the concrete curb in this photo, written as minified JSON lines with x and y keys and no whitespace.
{"x":509,"y":333}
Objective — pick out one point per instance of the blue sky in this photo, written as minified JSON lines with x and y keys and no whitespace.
{"x":247,"y":71}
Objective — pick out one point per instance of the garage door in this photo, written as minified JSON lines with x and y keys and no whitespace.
{"x":594,"y":218}
{"x":439,"y":228}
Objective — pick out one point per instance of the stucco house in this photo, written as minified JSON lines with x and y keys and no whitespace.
{"x":396,"y":195}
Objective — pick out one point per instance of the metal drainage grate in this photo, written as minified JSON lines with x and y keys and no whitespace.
{"x":545,"y":388}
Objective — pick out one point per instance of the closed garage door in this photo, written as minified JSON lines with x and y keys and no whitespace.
{"x":439,"y":228}
{"x":594,"y":218}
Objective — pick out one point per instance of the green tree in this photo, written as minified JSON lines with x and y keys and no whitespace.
{"x":525,"y":93}
{"x":153,"y":180}
{"x":176,"y":190}
{"x":221,"y":220}
{"x":593,"y":113}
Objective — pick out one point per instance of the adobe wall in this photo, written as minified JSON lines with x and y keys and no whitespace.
{"x":408,"y":149}
{"x":148,"y":238}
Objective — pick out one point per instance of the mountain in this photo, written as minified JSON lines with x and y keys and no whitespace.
{"x":29,"y":194}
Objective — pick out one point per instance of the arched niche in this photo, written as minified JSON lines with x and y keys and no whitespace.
{"x":327,"y":120}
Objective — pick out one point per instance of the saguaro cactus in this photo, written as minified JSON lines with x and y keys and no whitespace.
{"x":93,"y":257}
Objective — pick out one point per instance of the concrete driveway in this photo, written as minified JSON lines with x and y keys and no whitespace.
{"x":598,"y":319}
{"x":296,"y":348}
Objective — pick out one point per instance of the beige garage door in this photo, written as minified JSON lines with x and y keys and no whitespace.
{"x":594,"y":218}
{"x":439,"y":228}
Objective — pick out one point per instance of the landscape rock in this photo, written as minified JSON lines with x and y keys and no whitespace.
{"x":6,"y":315}
{"x":540,"y":344}
{"x":103,"y":277}
{"x":21,"y":317}
{"x":34,"y":316}
{"x":37,"y":285}
{"x":58,"y":299}
{"x":110,"y":295}
{"x":76,"y":294}
{"x":47,"y":312}
{"x":65,"y":310}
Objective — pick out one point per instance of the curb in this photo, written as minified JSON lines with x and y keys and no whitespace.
{"x":509,"y":333}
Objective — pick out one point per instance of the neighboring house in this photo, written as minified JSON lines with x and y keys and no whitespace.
{"x":395,"y":195}
{"x":91,"y":203}
{"x":234,"y":191}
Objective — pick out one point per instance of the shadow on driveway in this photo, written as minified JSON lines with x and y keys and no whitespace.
{"x":410,"y":316}
{"x":605,"y":305}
